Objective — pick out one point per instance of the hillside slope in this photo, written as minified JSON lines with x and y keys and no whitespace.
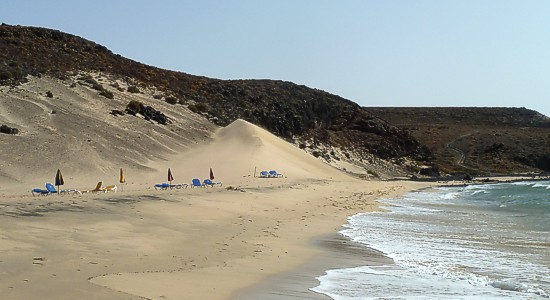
{"x":285,"y":109}
{"x":74,"y":130}
{"x":477,"y":140}
{"x":336,"y":130}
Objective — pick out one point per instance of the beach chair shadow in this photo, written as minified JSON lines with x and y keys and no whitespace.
{"x":179,"y":186}
{"x":196,"y":183}
{"x":210,"y":183}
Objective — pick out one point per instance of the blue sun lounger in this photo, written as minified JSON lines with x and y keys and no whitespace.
{"x":196,"y":183}
{"x":41,"y":192}
{"x":50,"y":189}
{"x":274,"y":173}
{"x":264,"y":174}
{"x":162,"y":186}
{"x":210,"y":183}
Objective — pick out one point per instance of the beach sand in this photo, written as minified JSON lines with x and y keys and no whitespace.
{"x":336,"y":252}
{"x":175,"y":244}
{"x":239,"y":241}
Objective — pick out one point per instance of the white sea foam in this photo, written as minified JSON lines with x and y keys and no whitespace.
{"x":523,"y":183}
{"x":387,"y":282}
{"x":540,"y":185}
{"x":443,"y":248}
{"x":450,"y":195}
{"x":480,"y":192}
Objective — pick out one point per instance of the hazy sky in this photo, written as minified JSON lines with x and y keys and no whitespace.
{"x":375,"y":53}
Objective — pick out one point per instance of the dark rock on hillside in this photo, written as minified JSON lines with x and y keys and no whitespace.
{"x":290,"y":110}
{"x":136,"y":107}
{"x":116,"y":112}
{"x":152,"y":114}
{"x":8,"y":130}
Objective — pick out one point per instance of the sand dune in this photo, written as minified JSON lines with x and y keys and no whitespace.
{"x":241,"y":147}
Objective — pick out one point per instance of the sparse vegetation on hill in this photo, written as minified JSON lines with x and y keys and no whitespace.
{"x":284,"y":108}
{"x":463,"y":140}
{"x":478,"y":140}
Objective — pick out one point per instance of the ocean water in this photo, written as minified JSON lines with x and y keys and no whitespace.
{"x":474,"y":242}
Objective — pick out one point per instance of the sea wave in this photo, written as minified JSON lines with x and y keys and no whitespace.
{"x":460,"y":245}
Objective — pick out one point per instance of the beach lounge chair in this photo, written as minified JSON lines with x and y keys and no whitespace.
{"x":264,"y":174}
{"x":274,"y":173}
{"x":162,"y":186}
{"x":51,"y":188}
{"x":41,"y":192}
{"x":110,"y":188}
{"x":196,"y":183}
{"x":72,"y":191}
{"x":208,"y":182}
{"x":96,"y":189}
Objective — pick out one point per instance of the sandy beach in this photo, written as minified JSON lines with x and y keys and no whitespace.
{"x":178,"y":244}
{"x":223,"y":242}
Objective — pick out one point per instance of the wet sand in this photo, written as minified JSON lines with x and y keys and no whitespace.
{"x":337,"y":252}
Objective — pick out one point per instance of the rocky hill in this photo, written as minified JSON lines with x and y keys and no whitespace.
{"x":382,"y":141}
{"x":477,"y":140}
{"x":309,"y":117}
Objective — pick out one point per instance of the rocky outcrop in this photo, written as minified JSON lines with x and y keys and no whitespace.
{"x":8,"y":130}
{"x":149,"y":113}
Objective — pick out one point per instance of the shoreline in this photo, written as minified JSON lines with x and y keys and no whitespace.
{"x":337,"y":252}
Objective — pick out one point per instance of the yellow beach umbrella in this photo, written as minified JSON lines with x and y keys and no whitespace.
{"x":122,"y":179}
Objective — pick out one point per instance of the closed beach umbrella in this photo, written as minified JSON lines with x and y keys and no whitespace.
{"x":59,"y":179}
{"x":211,"y":174}
{"x":122,"y":179}
{"x":170,"y":177}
